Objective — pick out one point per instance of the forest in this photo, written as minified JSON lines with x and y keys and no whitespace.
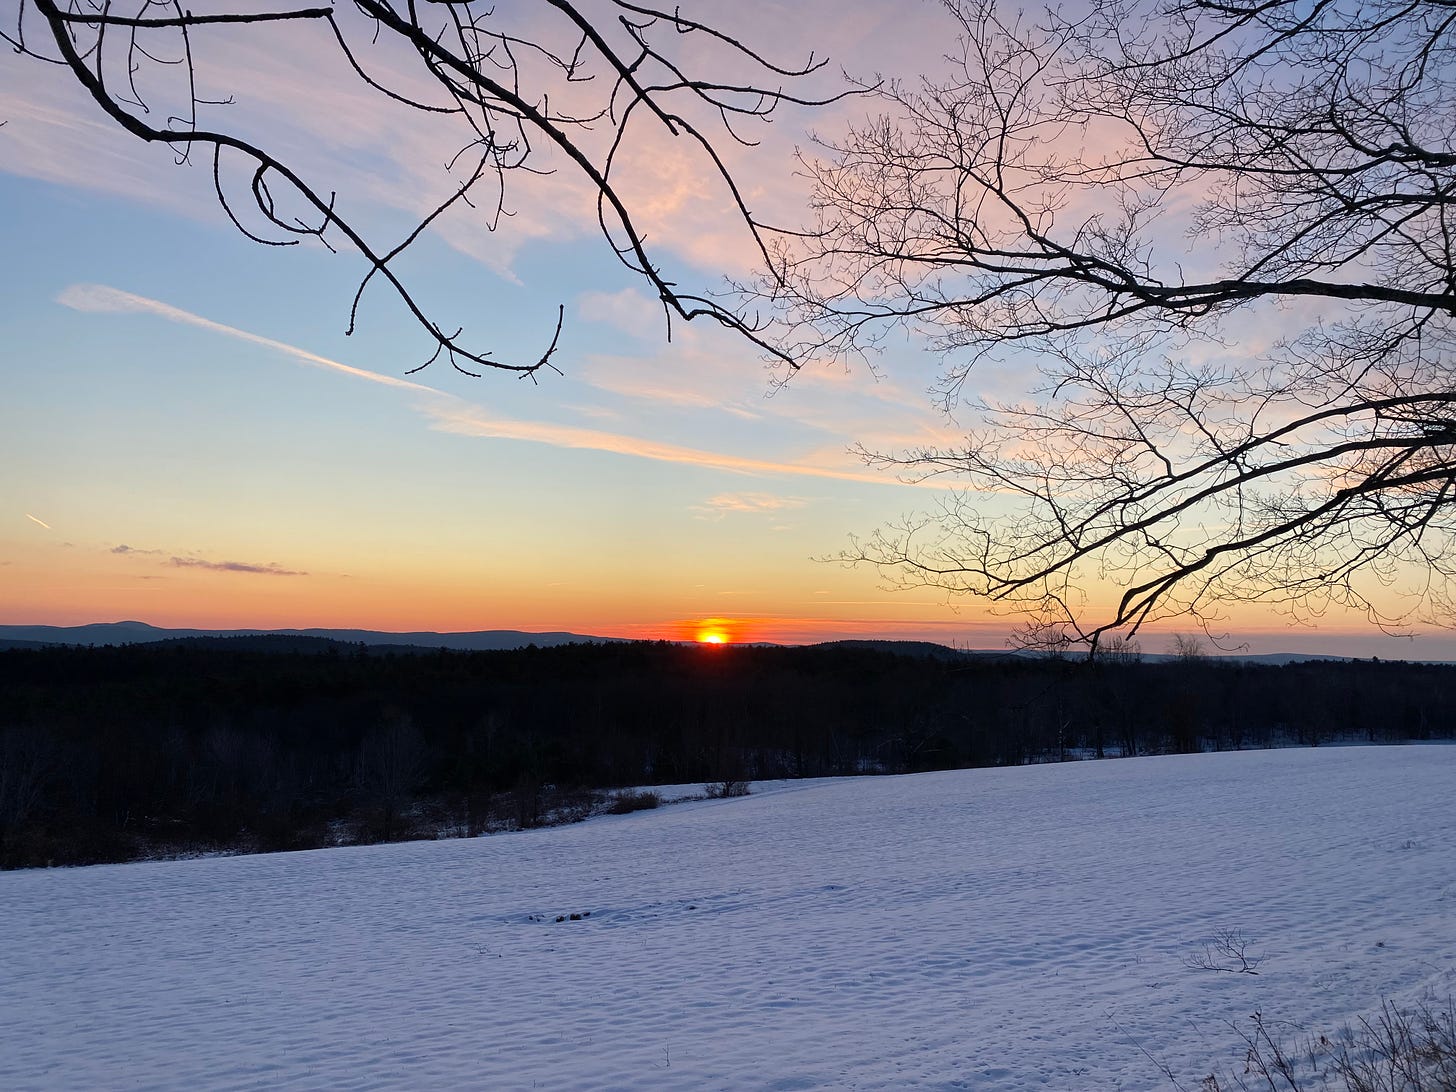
{"x":260,"y":744}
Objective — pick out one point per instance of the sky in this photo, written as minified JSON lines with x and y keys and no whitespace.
{"x":190,"y":439}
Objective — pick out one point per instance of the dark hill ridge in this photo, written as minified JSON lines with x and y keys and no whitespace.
{"x":924,"y":650}
{"x":140,"y":633}
{"x":497,"y":640}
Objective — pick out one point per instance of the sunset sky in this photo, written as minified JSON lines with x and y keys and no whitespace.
{"x":189,"y":439}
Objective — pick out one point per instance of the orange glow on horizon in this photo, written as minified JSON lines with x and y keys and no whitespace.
{"x":712,"y":631}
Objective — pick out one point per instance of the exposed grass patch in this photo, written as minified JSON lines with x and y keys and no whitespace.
{"x":1398,"y":1050}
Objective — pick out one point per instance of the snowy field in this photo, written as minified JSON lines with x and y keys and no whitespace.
{"x":987,"y":929}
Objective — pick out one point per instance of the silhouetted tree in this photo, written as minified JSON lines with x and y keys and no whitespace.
{"x":27,"y":764}
{"x":1224,"y":233}
{"x":391,"y":767}
{"x":1187,"y":647}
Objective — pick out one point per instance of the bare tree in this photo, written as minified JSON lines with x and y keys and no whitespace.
{"x":547,"y":85}
{"x":27,"y":762}
{"x":1222,"y":231}
{"x":1187,"y":648}
{"x":390,"y":767}
{"x":1121,"y":650}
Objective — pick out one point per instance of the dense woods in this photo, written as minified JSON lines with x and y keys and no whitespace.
{"x":275,"y":743}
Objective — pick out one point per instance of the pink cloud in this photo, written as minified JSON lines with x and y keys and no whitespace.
{"x":271,"y":569}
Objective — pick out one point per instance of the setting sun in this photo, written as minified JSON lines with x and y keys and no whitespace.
{"x":711,"y":631}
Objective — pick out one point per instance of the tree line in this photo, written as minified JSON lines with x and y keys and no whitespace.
{"x":116,"y":753}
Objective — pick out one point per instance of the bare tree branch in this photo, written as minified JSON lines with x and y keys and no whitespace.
{"x":1139,"y":200}
{"x":502,"y":107}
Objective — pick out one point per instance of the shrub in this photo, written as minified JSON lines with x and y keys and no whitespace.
{"x":718,"y":790}
{"x":629,"y":800}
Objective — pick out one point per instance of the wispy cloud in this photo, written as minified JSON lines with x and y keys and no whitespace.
{"x":271,"y":569}
{"x":724,"y":503}
{"x":708,"y":369}
{"x":100,"y":298}
{"x":37,"y":519}
{"x":177,"y":561}
{"x":54,"y":133}
{"x":305,"y":105}
{"x":628,"y":310}
{"x":673,"y":394}
{"x":449,"y":413}
{"x":468,"y":420}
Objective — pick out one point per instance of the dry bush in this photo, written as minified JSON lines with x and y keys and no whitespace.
{"x":718,"y":790}
{"x":1398,"y":1050}
{"x":1226,"y":950}
{"x":629,"y":800}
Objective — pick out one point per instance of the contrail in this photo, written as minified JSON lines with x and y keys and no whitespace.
{"x":42,"y":522}
{"x":449,"y":413}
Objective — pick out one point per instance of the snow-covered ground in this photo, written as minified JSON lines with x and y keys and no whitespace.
{"x":985,"y":929}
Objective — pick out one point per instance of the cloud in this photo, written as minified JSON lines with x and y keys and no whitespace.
{"x":449,"y":413}
{"x":719,"y":506}
{"x":271,"y":569}
{"x":55,"y":133}
{"x":303,"y":104}
{"x":467,"y":420}
{"x":102,"y":299}
{"x":711,"y":369}
{"x":37,"y":519}
{"x":628,"y":310}
{"x":177,"y":562}
{"x":644,"y":389}
{"x":306,"y":105}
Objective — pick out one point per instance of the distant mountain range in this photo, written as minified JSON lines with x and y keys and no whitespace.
{"x":140,"y":633}
{"x":486,"y":640}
